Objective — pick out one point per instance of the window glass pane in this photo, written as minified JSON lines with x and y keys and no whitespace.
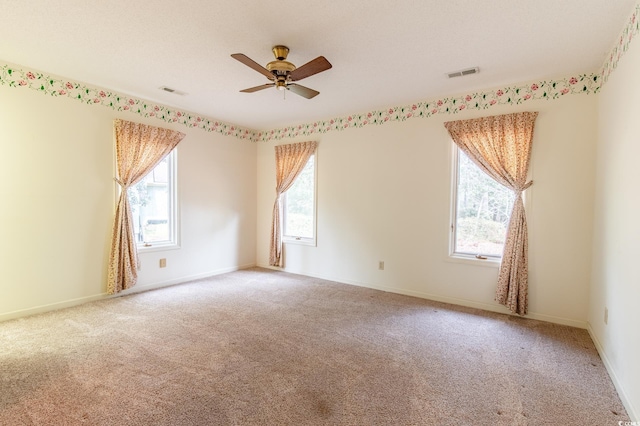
{"x":151,"y":205}
{"x":483,"y":208}
{"x":299,"y":204}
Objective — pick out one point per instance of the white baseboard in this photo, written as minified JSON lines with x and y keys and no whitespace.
{"x":446,"y":299}
{"x":50,"y":307}
{"x":136,"y":289}
{"x":631,"y":411}
{"x":181,"y":280}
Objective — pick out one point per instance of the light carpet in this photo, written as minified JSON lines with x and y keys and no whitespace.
{"x":269,"y":348}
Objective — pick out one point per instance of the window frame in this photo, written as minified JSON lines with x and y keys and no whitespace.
{"x":291,"y":239}
{"x":174,"y":213}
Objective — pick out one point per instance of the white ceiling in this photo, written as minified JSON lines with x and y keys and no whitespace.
{"x":384,"y":53}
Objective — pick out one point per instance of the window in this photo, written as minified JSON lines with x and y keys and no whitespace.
{"x":481,"y":210}
{"x":299,"y":207}
{"x":153,"y":205}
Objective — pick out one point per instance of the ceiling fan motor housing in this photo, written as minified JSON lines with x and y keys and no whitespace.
{"x":280,"y":67}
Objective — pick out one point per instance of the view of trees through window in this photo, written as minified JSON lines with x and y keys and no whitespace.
{"x":298,"y":204}
{"x":150,"y":201}
{"x":483,"y":208}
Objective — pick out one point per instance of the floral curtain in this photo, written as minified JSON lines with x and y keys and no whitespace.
{"x":139,"y":148}
{"x":501,"y":146}
{"x":290,"y":160}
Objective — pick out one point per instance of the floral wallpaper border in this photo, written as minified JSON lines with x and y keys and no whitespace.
{"x":14,"y":76}
{"x":509,"y":95}
{"x":622,"y":45}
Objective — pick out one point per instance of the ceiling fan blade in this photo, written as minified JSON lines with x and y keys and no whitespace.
{"x":255,"y":89}
{"x":305,"y":92}
{"x":253,"y":64}
{"x":319,"y":64}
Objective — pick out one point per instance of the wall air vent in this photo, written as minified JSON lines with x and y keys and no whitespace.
{"x":462,"y":73}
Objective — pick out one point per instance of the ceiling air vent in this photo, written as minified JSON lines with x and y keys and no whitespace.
{"x":462,"y":73}
{"x":170,"y":90}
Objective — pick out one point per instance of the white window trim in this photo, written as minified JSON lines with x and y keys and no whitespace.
{"x":491,"y":261}
{"x":304,"y":241}
{"x":174,"y":242}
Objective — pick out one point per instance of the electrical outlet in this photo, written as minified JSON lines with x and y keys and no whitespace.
{"x":606,"y":315}
{"x":163,"y":263}
{"x":381,"y":265}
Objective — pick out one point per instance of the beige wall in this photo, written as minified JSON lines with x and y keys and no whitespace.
{"x":616,"y":255}
{"x":384,"y":194}
{"x":57,"y":191}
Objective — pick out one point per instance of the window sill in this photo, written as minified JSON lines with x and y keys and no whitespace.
{"x":302,"y":241}
{"x":157,"y":247}
{"x":490,"y":262}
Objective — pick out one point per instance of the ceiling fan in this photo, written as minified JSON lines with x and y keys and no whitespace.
{"x":283,"y":73}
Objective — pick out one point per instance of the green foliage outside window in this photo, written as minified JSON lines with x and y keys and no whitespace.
{"x":482,"y":212}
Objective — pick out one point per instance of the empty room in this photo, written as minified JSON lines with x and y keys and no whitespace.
{"x":320,"y":213}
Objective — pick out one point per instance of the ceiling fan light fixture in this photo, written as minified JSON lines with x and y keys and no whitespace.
{"x":281,"y":85}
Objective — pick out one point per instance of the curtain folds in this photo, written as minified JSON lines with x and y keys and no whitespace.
{"x":501,"y":146}
{"x":290,"y":160}
{"x":139,"y":148}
